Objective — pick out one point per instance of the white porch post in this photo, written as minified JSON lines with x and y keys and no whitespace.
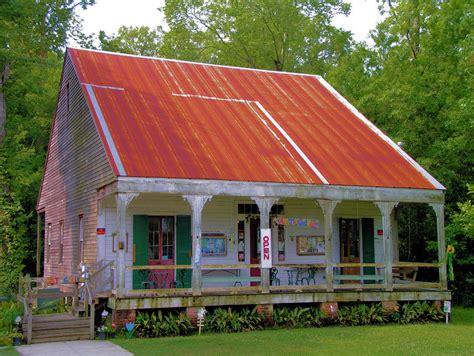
{"x":395,"y":239}
{"x":122,"y":201}
{"x":443,"y":277}
{"x":265,"y":206}
{"x":328,"y":207}
{"x":386,"y":211}
{"x":197,"y":203}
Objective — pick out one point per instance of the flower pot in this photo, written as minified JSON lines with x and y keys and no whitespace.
{"x":16,"y":340}
{"x":102,"y":335}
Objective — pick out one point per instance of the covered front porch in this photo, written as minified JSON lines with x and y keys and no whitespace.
{"x":259,"y":243}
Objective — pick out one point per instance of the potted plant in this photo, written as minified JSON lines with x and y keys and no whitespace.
{"x":102,"y":332}
{"x":16,"y":337}
{"x":112,"y":329}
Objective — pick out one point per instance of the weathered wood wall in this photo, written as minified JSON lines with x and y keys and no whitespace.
{"x":76,"y":167}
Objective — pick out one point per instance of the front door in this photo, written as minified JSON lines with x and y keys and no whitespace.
{"x":161,"y":249}
{"x":350,"y":244}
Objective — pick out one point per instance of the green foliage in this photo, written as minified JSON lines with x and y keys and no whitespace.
{"x":133,"y":40}
{"x":297,"y":317}
{"x":460,"y":234}
{"x":33,"y":35}
{"x":230,"y":321}
{"x":9,"y":311}
{"x":160,"y":324}
{"x":60,"y":307}
{"x":417,"y":312}
{"x":361,"y":314}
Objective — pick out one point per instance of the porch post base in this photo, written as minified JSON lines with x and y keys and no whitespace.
{"x":267,"y":311}
{"x":438,"y":304}
{"x":389,"y":306}
{"x":121,"y":317}
{"x":192,"y":313}
{"x":329,"y":309}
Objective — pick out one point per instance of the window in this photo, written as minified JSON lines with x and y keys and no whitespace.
{"x":247,"y":209}
{"x":81,"y":238}
{"x":61,"y":242}
{"x":160,"y":238}
{"x":48,"y":242}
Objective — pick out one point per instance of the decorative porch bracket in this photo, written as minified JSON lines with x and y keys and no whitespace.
{"x":443,"y":277}
{"x":197,"y":203}
{"x":265,"y":206}
{"x":386,"y":211}
{"x":328,"y":207}
{"x":122,"y":201}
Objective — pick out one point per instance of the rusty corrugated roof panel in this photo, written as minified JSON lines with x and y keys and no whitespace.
{"x":174,"y":119}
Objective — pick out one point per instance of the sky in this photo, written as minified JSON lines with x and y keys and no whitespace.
{"x":109,"y":15}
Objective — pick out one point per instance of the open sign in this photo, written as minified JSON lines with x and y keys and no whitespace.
{"x":266,"y":248}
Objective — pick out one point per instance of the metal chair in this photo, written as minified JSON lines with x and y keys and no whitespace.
{"x":274,"y":280}
{"x":311,"y":276}
{"x":146,"y":282}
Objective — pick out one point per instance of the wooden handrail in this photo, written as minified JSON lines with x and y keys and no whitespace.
{"x":416,"y":264}
{"x":359,"y":264}
{"x":300,"y":265}
{"x":282,"y":265}
{"x":92,"y":275}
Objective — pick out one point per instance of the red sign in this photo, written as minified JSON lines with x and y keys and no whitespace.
{"x":266,"y":248}
{"x":380,"y":232}
{"x":101,"y":231}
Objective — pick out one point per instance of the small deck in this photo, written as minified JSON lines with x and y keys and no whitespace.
{"x":362,"y":288}
{"x":158,"y":299}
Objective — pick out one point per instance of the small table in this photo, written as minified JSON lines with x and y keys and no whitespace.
{"x":291,"y":273}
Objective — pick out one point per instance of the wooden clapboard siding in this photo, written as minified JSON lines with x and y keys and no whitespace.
{"x":76,"y":167}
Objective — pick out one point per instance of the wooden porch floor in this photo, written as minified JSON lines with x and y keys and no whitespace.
{"x":182,"y":298}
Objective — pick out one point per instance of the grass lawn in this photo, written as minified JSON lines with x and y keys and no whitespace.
{"x":427,"y":339}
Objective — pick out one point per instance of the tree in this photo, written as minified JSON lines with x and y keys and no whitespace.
{"x":33,"y":35}
{"x":133,"y":40}
{"x":279,"y":35}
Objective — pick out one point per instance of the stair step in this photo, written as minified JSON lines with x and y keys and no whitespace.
{"x":59,"y":325}
{"x":39,"y":340}
{"x":53,"y":317}
{"x":60,"y":332}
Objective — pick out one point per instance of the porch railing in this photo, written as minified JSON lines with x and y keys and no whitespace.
{"x":347,"y":276}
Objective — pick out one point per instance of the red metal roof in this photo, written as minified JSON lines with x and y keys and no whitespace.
{"x":174,"y":119}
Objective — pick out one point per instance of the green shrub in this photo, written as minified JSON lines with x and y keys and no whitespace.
{"x":159,"y":324}
{"x":417,"y":312}
{"x":361,"y":314}
{"x":9,"y":311}
{"x":229,"y":321}
{"x":297,"y":317}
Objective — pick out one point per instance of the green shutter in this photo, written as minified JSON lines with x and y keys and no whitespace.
{"x":140,"y":242}
{"x":183,"y":250}
{"x":368,"y":245}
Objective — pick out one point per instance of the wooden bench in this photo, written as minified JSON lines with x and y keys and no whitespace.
{"x":357,"y":277}
{"x":235,"y":279}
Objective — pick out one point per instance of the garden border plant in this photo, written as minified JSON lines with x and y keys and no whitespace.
{"x":238,"y":319}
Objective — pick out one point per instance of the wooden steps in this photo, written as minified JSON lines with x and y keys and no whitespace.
{"x":59,"y":327}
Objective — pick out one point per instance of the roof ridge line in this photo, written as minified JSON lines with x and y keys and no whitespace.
{"x":197,"y":63}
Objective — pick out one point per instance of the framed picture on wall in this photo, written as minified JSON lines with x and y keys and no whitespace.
{"x":310,"y":245}
{"x":213,"y":244}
